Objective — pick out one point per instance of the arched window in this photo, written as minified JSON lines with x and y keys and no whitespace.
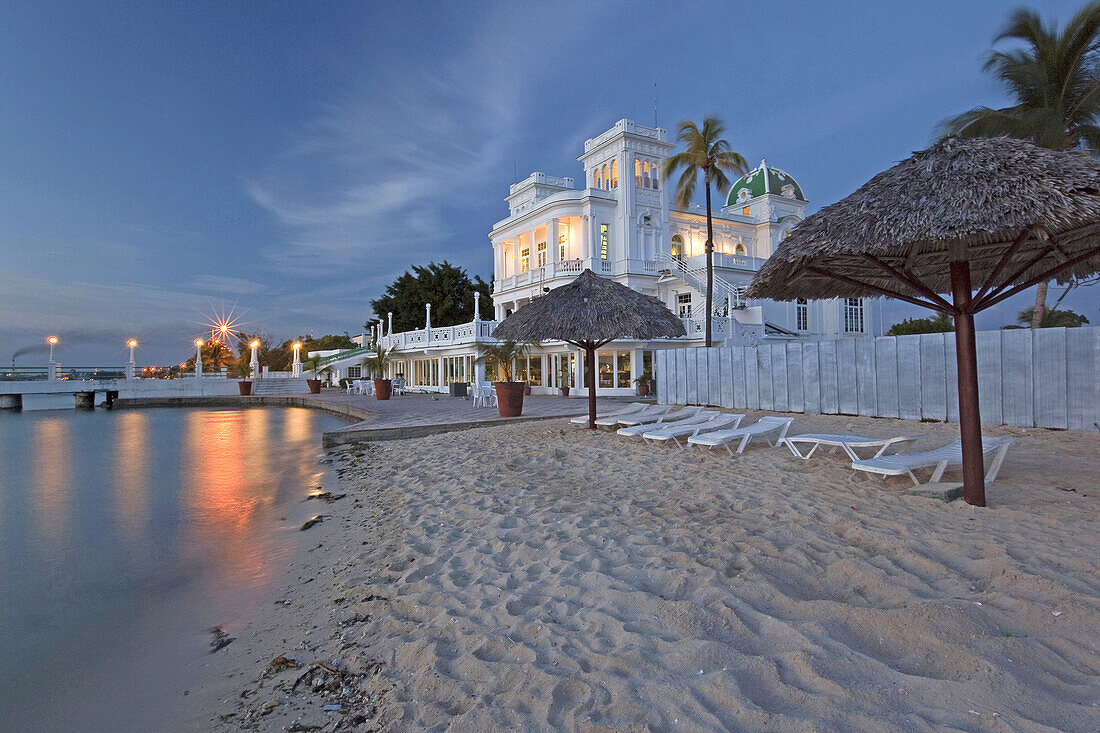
{"x":677,"y":247}
{"x":637,"y":172}
{"x":656,"y":176}
{"x":606,"y":178}
{"x":741,"y":250}
{"x":599,"y":179}
{"x":645,"y":175}
{"x":614,"y":174}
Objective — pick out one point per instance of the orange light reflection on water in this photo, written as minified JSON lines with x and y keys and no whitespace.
{"x":132,"y":472}
{"x":51,"y":476}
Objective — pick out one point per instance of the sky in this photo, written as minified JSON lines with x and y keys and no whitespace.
{"x":161,"y":162}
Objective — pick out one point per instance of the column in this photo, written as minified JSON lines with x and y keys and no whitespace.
{"x":477,"y":306}
{"x":389,"y":322}
{"x":552,"y":241}
{"x":586,"y":243}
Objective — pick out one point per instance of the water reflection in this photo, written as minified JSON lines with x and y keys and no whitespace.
{"x":131,"y":463}
{"x":50,"y":477}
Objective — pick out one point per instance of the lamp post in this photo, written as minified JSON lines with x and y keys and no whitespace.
{"x":255,"y":361}
{"x":389,"y":322}
{"x":198,"y":357}
{"x":477,"y":306}
{"x":52,"y":366}
{"x":296,"y":366}
{"x":131,"y":368}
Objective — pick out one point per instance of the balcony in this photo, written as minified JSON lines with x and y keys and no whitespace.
{"x":571,"y":268}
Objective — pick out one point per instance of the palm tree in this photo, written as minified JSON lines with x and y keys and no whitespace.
{"x":504,"y":353}
{"x":704,"y":152}
{"x":1055,"y":80}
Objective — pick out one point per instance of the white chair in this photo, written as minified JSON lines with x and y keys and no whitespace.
{"x":705,"y":421}
{"x":613,"y":420}
{"x":398,"y":387}
{"x":949,"y":455}
{"x":629,"y":409}
{"x":848,"y":442}
{"x":353,"y":387}
{"x":638,"y":425}
{"x":763,"y":426}
{"x":366,"y":386}
{"x":484,"y":395}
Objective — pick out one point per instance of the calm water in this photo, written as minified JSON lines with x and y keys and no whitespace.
{"x":124,"y":536}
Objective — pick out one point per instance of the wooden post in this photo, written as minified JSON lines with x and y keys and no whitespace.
{"x":970,"y":420}
{"x":590,"y":382}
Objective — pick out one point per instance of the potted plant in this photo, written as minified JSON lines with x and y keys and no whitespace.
{"x":643,"y":381}
{"x":244,"y":371}
{"x":314,"y":365}
{"x":377,"y":364}
{"x":564,"y":376}
{"x":509,"y":393}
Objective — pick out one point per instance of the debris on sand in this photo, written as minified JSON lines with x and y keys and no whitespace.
{"x":309,"y":523}
{"x":221,"y":639}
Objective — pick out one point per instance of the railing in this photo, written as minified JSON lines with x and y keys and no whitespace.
{"x":697,"y":278}
{"x":21,"y":374}
{"x":324,"y":361}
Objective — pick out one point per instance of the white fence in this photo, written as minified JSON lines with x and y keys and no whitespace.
{"x":1046,"y":378}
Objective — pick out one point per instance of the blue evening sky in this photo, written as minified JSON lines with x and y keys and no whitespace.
{"x":159,"y":161}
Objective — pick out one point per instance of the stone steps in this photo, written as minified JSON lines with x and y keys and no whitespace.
{"x":279,"y":385}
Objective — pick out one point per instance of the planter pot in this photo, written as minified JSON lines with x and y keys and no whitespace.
{"x":643,"y":389}
{"x":383,"y":388}
{"x":245,"y":388}
{"x":564,"y":391}
{"x":509,"y":398}
{"x":314,"y":386}
{"x":526,"y":389}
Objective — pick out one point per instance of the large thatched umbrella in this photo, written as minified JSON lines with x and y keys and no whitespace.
{"x":995,"y":211}
{"x":588,"y":313}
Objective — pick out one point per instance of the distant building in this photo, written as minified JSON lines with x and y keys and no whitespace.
{"x":620,"y":224}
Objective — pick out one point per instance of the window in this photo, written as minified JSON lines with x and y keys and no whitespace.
{"x":603,"y":241}
{"x":637,"y":172}
{"x":541,"y":254}
{"x":740,"y":249}
{"x":645,"y":175}
{"x":606,"y":178}
{"x":747,"y":211}
{"x":853,"y":315}
{"x":605,"y":369}
{"x":622,"y":369}
{"x":802,"y":314}
{"x":598,"y":178}
{"x":677,"y":247}
{"x":525,"y":259}
{"x":614,"y":174}
{"x":656,"y":177}
{"x":563,"y":244}
{"x":355,"y":372}
{"x":684,"y":301}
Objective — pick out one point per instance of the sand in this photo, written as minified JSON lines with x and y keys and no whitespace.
{"x":539,"y":577}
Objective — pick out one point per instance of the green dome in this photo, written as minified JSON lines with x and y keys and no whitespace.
{"x":764,"y":179}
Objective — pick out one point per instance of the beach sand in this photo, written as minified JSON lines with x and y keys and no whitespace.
{"x":539,"y":577}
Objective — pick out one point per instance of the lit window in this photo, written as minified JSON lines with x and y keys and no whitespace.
{"x":656,"y":177}
{"x":540,"y":255}
{"x":746,"y":211}
{"x":853,"y":315}
{"x":684,"y":301}
{"x":637,"y":172}
{"x":645,"y":175}
{"x":524,"y":259}
{"x":599,"y":179}
{"x":802,"y":314}
{"x":603,"y":241}
{"x":563,"y":244}
{"x":677,"y":247}
{"x":614,"y":174}
{"x":741,"y":250}
{"x":606,"y":178}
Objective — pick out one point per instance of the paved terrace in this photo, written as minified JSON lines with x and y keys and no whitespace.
{"x":415,"y":415}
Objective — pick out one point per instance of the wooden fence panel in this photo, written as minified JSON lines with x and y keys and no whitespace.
{"x":1049,"y":360}
{"x":886,"y":376}
{"x":866,"y":397}
{"x":828,"y":374}
{"x":796,"y":401}
{"x":988,"y":346}
{"x":1083,"y":378}
{"x":811,"y":377}
{"x":778,"y":355}
{"x":738,"y":356}
{"x":909,"y":378}
{"x":1017,"y":398}
{"x":933,"y":380}
{"x":846,"y":380}
{"x":725,"y":367}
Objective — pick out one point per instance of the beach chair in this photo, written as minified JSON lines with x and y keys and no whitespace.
{"x":940,"y":458}
{"x":353,"y":387}
{"x":628,"y":409}
{"x":705,"y":421}
{"x":638,"y":425}
{"x":646,"y":411}
{"x":398,"y":387}
{"x":849,"y":443}
{"x":763,"y":426}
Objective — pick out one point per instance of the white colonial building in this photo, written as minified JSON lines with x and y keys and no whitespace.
{"x":620,"y":224}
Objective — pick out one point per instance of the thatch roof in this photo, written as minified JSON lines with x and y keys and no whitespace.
{"x":591,"y":308}
{"x":983,"y":193}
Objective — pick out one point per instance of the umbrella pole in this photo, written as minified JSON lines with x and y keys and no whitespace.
{"x":970,"y":420}
{"x":590,"y":382}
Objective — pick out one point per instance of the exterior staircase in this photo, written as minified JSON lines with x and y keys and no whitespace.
{"x":279,"y":385}
{"x":724,"y":291}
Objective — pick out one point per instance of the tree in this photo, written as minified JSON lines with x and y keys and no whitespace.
{"x":704,"y":152}
{"x":447,"y":287}
{"x":1055,"y":81}
{"x":942,"y":323}
{"x":215,"y":355}
{"x":1053,"y":318}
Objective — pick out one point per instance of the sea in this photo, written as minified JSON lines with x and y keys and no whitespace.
{"x":126,"y":536}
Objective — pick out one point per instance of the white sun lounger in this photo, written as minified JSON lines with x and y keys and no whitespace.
{"x":628,"y":410}
{"x":639,"y":425}
{"x":704,"y":421}
{"x":763,"y":426}
{"x":848,"y":442}
{"x":646,"y":411}
{"x":940,"y":458}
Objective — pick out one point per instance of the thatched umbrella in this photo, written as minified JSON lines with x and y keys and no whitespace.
{"x":589,"y":312}
{"x":995,"y":211}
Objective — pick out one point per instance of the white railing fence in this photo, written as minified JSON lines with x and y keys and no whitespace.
{"x":1045,"y":378}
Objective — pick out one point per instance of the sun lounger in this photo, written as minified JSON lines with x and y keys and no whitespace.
{"x":647,"y":410}
{"x":763,"y":426}
{"x":639,"y":425}
{"x":849,"y":443}
{"x":949,"y":455}
{"x":629,"y":409}
{"x":705,"y":421}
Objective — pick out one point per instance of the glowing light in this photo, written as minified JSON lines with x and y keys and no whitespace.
{"x":255,"y":344}
{"x":51,"y":340}
{"x":296,"y":345}
{"x":132,"y":343}
{"x":198,"y":342}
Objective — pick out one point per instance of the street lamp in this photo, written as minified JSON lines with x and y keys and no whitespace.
{"x":52,"y":341}
{"x":296,"y":366}
{"x":255,"y":363}
{"x":198,"y":357}
{"x":131,"y":367}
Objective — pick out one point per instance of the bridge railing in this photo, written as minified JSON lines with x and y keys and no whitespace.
{"x":32,"y":373}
